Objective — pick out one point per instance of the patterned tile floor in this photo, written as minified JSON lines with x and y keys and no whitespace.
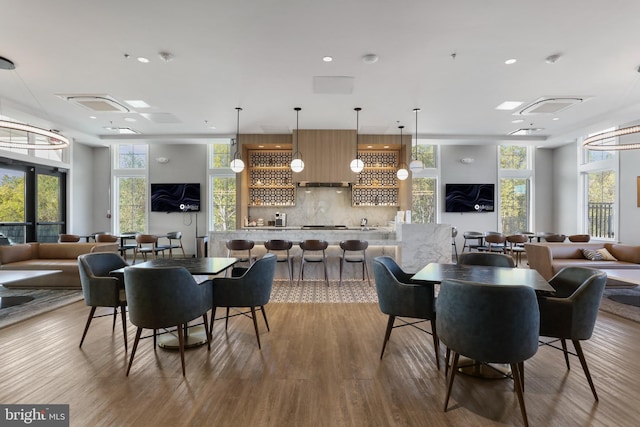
{"x":317,"y":291}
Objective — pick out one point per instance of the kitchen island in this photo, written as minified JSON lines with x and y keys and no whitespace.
{"x":412,"y":245}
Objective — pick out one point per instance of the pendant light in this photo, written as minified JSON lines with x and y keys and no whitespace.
{"x":356,"y":164}
{"x":237,"y":165}
{"x":416,"y":165}
{"x":297,"y":165}
{"x":402,"y":173}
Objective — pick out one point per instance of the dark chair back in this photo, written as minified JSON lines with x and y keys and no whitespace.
{"x":252,"y":289}
{"x":278,"y":245}
{"x":314,"y":245}
{"x":486,"y":258}
{"x":98,"y":288}
{"x":106,"y":238}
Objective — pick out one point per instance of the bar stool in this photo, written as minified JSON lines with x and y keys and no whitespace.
{"x":313,"y":246}
{"x":354,"y":246}
{"x":282,"y":245}
{"x":237,"y":245}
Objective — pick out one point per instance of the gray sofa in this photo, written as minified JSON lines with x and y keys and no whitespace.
{"x":49,"y":256}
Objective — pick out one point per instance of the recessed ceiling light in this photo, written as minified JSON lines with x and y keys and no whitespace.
{"x":556,"y":119}
{"x":212,"y":127}
{"x":129,"y":119}
{"x":509,"y":105}
{"x":143,"y":59}
{"x":511,"y":61}
{"x":138,"y":103}
{"x":327,"y":58}
{"x":93,"y":117}
{"x":517,"y":121}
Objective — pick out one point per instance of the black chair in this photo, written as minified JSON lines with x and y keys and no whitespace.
{"x":472,"y":236}
{"x":282,"y":246}
{"x":101,"y":290}
{"x":360,"y":247}
{"x":486,"y":258}
{"x":399,"y":296}
{"x":488,"y":323}
{"x":570,"y":314}
{"x":164,"y":297}
{"x":313,"y":246}
{"x":251,"y":290}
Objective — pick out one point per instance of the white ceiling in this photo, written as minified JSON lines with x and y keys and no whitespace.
{"x":263,"y":55}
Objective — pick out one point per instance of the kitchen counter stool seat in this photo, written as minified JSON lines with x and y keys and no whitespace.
{"x":318,"y":254}
{"x":354,"y":246}
{"x":282,"y":246}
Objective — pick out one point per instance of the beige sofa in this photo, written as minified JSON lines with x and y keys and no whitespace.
{"x":49,"y":256}
{"x":549,"y":258}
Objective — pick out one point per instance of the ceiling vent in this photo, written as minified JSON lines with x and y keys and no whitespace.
{"x":97,"y":103}
{"x":545,"y":106}
{"x":162,"y":118}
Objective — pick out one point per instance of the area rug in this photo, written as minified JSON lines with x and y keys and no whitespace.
{"x":317,"y":291}
{"x":43,"y":301}
{"x":623,"y":310}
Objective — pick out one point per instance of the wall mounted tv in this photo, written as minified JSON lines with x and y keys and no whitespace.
{"x":175,"y":197}
{"x":469,"y":197}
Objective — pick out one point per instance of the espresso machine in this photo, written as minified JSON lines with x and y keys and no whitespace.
{"x":281,"y":219}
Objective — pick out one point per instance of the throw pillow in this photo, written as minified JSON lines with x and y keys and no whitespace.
{"x":592,"y":255}
{"x":606,"y":255}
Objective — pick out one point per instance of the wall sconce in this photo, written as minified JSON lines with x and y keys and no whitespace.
{"x":162,"y":160}
{"x":467,"y":160}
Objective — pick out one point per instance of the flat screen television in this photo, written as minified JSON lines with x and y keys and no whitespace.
{"x":469,"y":198}
{"x":175,"y":197}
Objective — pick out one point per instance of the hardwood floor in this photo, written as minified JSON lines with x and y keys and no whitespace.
{"x":319,"y":366}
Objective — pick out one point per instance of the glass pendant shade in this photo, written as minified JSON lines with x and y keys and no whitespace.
{"x":402,"y":174}
{"x":297,"y":165}
{"x":416,"y":165}
{"x":356,"y":165}
{"x":237,"y":165}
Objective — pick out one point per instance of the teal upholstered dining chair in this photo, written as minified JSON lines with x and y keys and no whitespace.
{"x":486,"y":258}
{"x":488,"y":323}
{"x":101,"y":290}
{"x":165,"y":297}
{"x":251,"y":289}
{"x":399,"y":296}
{"x":570,"y":314}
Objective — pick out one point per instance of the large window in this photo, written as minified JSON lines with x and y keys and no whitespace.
{"x":130,"y":184}
{"x":32,"y":203}
{"x":515,"y":188}
{"x":424,"y":194}
{"x":599,"y":171}
{"x":222,"y":187}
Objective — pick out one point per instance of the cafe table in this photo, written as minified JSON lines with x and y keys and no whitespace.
{"x":437,"y":272}
{"x":201,"y":269}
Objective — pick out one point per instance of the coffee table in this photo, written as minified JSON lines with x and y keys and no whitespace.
{"x":8,"y":276}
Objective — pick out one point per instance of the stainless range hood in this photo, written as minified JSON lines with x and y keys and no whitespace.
{"x":323,"y":184}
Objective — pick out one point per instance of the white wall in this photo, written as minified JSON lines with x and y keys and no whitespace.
{"x":629,"y":211}
{"x":566,"y":197}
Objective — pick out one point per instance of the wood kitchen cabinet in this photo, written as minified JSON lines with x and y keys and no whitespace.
{"x":326,"y":155}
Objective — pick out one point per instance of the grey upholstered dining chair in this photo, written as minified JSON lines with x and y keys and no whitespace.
{"x":570,"y":314}
{"x":488,"y":323}
{"x":399,"y":296}
{"x":250,"y":290}
{"x":101,"y":290}
{"x":486,"y":258}
{"x":165,"y":297}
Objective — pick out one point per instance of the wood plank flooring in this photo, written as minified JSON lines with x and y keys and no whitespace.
{"x":319,"y":366}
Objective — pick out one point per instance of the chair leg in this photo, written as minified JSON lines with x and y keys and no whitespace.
{"x":436,"y":342}
{"x":207,"y":331}
{"x":452,"y":376}
{"x":387,"y":333}
{"x":290,"y":268}
{"x":301,"y":272}
{"x":115,"y":315}
{"x":365,"y":269}
{"x":255,"y":325}
{"x":264,"y":314}
{"x":135,"y":347}
{"x":515,"y":368}
{"x":583,"y":362}
{"x":226,"y":319}
{"x":566,"y":353}
{"x":213,"y":317}
{"x":181,"y":345}
{"x":86,"y":327}
{"x":326,"y":274}
{"x":447,"y":356}
{"x":341,"y":268}
{"x":123,"y":313}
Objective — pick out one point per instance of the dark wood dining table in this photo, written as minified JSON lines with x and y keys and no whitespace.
{"x":201,"y":269}
{"x":437,"y":272}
